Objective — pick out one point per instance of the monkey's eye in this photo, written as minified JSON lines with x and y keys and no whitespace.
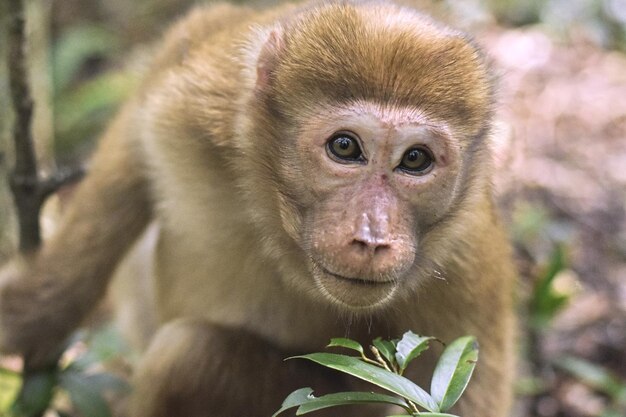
{"x":416,"y":161}
{"x":345,"y":147}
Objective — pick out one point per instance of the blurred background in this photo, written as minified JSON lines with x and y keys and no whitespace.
{"x":560,"y":142}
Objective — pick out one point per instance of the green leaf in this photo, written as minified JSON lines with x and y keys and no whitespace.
{"x":308,"y":403}
{"x":104,"y":344}
{"x":557,"y":264}
{"x":346,"y":343}
{"x":10,"y":383}
{"x":107,"y":381}
{"x":36,"y":393}
{"x":348,"y":398}
{"x":386,"y":348}
{"x":85,"y":394}
{"x":410,"y":347}
{"x":546,"y":302}
{"x":295,"y":399}
{"x":426,"y":415}
{"x":453,"y":371}
{"x":375,"y":375}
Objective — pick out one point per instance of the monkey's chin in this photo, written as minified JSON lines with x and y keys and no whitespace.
{"x":355,"y":294}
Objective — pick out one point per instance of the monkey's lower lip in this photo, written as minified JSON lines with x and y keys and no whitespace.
{"x":357,"y":281}
{"x":355,"y":293}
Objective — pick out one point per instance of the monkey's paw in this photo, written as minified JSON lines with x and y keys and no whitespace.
{"x":24,"y":316}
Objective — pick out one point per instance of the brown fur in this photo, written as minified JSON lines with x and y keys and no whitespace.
{"x":222,"y":149}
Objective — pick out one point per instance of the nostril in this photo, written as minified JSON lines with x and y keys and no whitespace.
{"x":381,"y":248}
{"x":359,"y":244}
{"x":373,"y":246}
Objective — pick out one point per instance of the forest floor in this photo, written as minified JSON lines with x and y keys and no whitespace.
{"x":561,"y":155}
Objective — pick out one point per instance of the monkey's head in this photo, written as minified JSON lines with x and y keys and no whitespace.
{"x":373,"y":124}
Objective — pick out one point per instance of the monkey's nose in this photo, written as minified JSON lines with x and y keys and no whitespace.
{"x":376,"y":256}
{"x":370,"y":246}
{"x":370,"y":235}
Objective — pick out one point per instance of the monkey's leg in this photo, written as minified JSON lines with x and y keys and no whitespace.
{"x":44,"y":296}
{"x":194,"y":369}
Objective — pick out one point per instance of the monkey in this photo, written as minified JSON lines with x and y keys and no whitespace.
{"x":305,"y":172}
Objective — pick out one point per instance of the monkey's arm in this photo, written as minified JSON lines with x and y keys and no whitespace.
{"x":44,"y":296}
{"x":195,"y":368}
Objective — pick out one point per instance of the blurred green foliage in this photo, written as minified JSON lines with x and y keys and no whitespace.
{"x":603,"y":20}
{"x":87,"y":86}
{"x":534,"y":227}
{"x":76,"y":46}
{"x":10,"y":382}
{"x":77,"y":379}
{"x":546,"y":301}
{"x":600,"y":379}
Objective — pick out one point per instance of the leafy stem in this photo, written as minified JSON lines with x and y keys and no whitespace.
{"x":391,"y":358}
{"x":380,"y":361}
{"x":413,"y":407}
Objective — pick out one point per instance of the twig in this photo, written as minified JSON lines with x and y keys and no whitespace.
{"x":379,"y":358}
{"x":29,"y":190}
{"x":24,"y":178}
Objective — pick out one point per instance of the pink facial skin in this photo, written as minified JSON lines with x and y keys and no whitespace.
{"x":366,"y":217}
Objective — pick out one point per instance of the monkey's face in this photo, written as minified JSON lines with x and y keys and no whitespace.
{"x":371,"y":118}
{"x":370,"y":183}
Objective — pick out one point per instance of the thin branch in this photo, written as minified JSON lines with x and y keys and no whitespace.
{"x":62,"y":177}
{"x":24,"y":177}
{"x":29,"y":190}
{"x":379,"y":358}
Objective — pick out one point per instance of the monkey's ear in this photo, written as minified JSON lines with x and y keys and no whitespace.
{"x":268,"y":59}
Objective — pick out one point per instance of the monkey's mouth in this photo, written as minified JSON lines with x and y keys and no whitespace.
{"x":358,"y":281}
{"x":354,"y":293}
